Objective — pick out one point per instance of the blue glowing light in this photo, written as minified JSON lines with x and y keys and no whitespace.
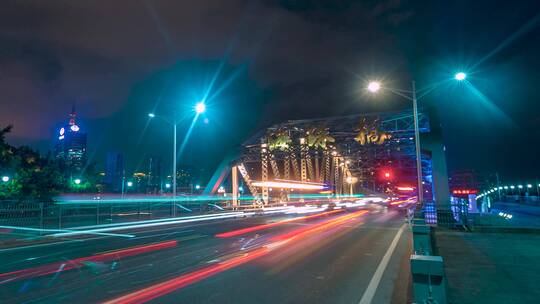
{"x":77,"y":181}
{"x":62,"y":131}
{"x":167,"y":185}
{"x":460,"y":76}
{"x":129,"y":184}
{"x":200,"y":107}
{"x":5,"y":178}
{"x":74,"y":128}
{"x":197,"y":187}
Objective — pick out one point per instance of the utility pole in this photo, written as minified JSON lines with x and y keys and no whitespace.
{"x":420,"y":188}
{"x":174,"y":167}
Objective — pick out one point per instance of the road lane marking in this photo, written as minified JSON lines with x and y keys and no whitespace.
{"x":368,"y":295}
{"x":60,"y":230}
{"x":48,"y":244}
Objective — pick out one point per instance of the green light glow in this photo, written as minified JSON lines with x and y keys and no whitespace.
{"x":194,"y":199}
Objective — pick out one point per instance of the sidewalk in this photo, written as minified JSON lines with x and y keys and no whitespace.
{"x":500,"y":267}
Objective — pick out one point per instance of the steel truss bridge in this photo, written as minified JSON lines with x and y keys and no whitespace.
{"x":334,"y":151}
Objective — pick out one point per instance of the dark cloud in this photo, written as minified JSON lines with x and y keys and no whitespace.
{"x":296,"y":59}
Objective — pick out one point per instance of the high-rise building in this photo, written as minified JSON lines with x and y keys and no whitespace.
{"x":71,"y":146}
{"x":114,"y":171}
{"x":155,"y":175}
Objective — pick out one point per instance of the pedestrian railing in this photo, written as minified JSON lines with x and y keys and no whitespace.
{"x":456,"y":215}
{"x":59,"y":216}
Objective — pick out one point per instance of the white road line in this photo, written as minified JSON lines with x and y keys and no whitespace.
{"x":368,"y":295}
{"x":48,"y":244}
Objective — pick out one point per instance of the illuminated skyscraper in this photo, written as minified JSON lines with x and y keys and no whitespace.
{"x":71,"y":146}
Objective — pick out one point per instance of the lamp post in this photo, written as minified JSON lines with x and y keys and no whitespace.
{"x":375,"y":86}
{"x":200,"y":107}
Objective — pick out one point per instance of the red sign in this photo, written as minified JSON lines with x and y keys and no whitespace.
{"x":464,"y":191}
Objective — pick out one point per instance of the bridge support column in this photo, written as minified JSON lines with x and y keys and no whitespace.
{"x":264,"y":171}
{"x":234,"y":177}
{"x":433,"y":143}
{"x":303,"y":160}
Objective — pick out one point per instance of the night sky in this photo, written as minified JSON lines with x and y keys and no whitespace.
{"x":262,"y":62}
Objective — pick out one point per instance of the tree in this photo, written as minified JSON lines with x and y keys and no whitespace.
{"x":32,"y":177}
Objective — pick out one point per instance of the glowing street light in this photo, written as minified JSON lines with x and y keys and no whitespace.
{"x":460,"y":76}
{"x":197,"y":187}
{"x":167,"y":185}
{"x":374,"y":86}
{"x":200,"y":107}
{"x":5,"y":178}
{"x":77,"y":181}
{"x":129,"y":184}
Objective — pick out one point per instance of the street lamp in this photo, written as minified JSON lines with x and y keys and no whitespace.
{"x":129,"y":184}
{"x":375,"y":86}
{"x":77,"y":181}
{"x":5,"y":178}
{"x":460,"y":76}
{"x":200,"y":107}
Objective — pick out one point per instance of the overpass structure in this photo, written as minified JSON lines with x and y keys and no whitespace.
{"x":337,"y":155}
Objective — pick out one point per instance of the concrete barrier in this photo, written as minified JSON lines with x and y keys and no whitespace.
{"x":422,"y":239}
{"x":418,"y":221}
{"x":429,"y":282}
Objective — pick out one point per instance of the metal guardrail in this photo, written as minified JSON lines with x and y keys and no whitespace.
{"x":58,"y":216}
{"x":456,"y":215}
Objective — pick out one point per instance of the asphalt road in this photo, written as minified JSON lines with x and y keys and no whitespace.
{"x":350,"y":256}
